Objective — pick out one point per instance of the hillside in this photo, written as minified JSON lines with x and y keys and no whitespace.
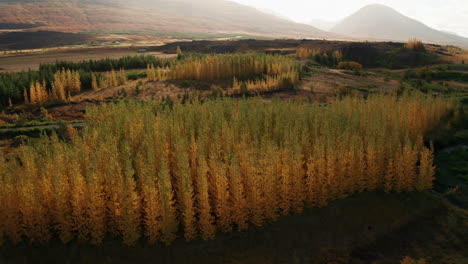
{"x":379,"y":22}
{"x":213,"y":16}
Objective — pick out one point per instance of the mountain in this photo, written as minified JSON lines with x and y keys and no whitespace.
{"x":322,"y":24}
{"x":379,"y":22}
{"x":205,"y":16}
{"x":274,"y":13}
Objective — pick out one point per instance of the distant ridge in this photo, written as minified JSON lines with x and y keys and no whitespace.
{"x":208,"y":16}
{"x":380,"y":22}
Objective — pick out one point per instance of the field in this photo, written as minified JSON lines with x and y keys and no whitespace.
{"x":24,"y":61}
{"x":249,"y":151}
{"x":19,"y":41}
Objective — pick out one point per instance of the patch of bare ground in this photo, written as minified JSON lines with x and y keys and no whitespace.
{"x":449,"y":53}
{"x":327,"y":81}
{"x":146,"y":91}
{"x":150,"y":91}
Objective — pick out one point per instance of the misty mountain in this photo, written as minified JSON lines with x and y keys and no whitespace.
{"x":379,"y":22}
{"x":207,"y":16}
{"x":322,"y":24}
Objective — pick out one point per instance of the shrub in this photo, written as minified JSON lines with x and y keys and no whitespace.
{"x":409,"y":74}
{"x":216,"y":90}
{"x":415,"y":45}
{"x":349,"y":65}
{"x":243,"y":88}
{"x":20,"y":140}
{"x":22,"y":120}
{"x":408,"y":260}
{"x":287,"y":84}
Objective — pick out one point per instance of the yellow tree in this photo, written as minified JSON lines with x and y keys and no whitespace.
{"x":206,"y":220}
{"x":169,"y":223}
{"x":26,"y":97}
{"x":238,"y":200}
{"x":185,"y":191}
{"x":32,"y":94}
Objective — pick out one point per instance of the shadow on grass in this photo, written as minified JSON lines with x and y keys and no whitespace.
{"x":319,"y":235}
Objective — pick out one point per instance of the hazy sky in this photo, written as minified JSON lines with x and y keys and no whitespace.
{"x":450,"y":15}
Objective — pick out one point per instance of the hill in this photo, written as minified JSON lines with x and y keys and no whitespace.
{"x":204,"y":16}
{"x":379,"y":22}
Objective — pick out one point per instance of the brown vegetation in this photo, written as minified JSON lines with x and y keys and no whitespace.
{"x":65,"y":84}
{"x":416,"y":45}
{"x":349,"y":65}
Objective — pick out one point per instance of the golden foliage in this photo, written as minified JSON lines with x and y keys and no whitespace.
{"x":305,"y":53}
{"x":215,"y":67}
{"x":227,"y":66}
{"x":157,"y":74}
{"x":148,"y":171}
{"x":109,"y":80}
{"x":37,"y":93}
{"x":416,"y":45}
{"x":272,"y":70}
{"x":349,"y":65}
{"x":65,"y":84}
{"x":269,"y":83}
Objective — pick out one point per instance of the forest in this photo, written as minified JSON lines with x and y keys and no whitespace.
{"x":257,"y":70}
{"x":259,"y":155}
{"x":13,"y":85}
{"x":157,"y":171}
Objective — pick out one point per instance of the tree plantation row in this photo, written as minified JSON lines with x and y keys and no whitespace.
{"x":13,"y":85}
{"x":262,"y":69}
{"x":150,"y":172}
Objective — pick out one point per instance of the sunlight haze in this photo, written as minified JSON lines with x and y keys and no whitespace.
{"x":446,"y":15}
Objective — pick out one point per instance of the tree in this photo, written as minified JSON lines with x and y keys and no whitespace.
{"x":244,"y":88}
{"x":94,"y":82}
{"x":26,"y":97}
{"x":206,"y":220}
{"x":150,"y":72}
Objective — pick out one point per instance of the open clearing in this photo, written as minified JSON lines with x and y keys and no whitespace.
{"x":24,"y":62}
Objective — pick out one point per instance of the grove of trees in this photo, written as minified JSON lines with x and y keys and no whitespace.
{"x":154,"y":172}
{"x":13,"y":85}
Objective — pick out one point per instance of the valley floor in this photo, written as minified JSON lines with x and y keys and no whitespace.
{"x":16,"y":62}
{"x":369,"y":227}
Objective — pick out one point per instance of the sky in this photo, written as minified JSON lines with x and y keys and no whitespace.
{"x":448,"y":15}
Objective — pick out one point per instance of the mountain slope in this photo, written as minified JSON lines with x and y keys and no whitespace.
{"x":213,"y":16}
{"x":379,"y":22}
{"x":322,"y":24}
